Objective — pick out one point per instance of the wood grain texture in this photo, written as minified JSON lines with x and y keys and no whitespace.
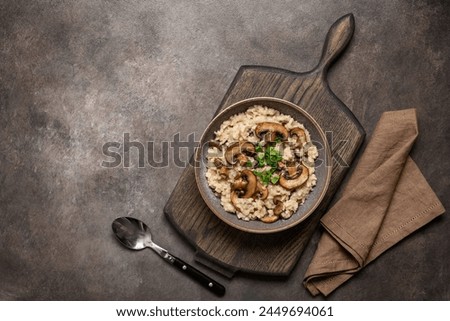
{"x":228,"y":250}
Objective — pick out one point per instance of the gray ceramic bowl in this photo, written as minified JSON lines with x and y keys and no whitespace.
{"x":323,"y":166}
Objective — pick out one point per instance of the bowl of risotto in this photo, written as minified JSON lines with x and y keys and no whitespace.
{"x":263,"y":165}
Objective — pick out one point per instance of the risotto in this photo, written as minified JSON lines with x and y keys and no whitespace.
{"x":261,"y":164}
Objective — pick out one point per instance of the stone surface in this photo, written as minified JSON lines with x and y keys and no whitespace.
{"x":75,"y":75}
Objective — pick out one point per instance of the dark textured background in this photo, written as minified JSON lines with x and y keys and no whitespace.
{"x":77,"y":74}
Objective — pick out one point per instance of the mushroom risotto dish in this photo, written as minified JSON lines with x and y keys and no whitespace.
{"x":261,"y":164}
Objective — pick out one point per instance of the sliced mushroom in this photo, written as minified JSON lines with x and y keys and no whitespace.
{"x":278,"y":209}
{"x":223,"y":172}
{"x":239,"y":184}
{"x":277,"y":199}
{"x":279,"y":206}
{"x":218,"y":163}
{"x":291,"y":184}
{"x":269,"y":218}
{"x":269,"y":131}
{"x":252,"y":183}
{"x":234,"y":198}
{"x":242,"y":159}
{"x":248,"y":148}
{"x":221,"y":168}
{"x":293,"y":170}
{"x":299,"y":135}
{"x":237,"y":151}
{"x":216,"y":144}
{"x":243,"y":187}
{"x":232,"y":151}
{"x":261,"y":191}
{"x":245,"y":184}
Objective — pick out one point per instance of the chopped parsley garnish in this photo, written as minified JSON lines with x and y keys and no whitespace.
{"x":274,"y":179}
{"x":268,"y":157}
{"x":272,"y":156}
{"x":261,"y":160}
{"x":265,"y":176}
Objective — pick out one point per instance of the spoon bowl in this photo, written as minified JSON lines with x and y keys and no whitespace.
{"x":132,"y":233}
{"x":135,"y":235}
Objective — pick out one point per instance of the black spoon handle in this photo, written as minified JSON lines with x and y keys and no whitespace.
{"x":196,"y":275}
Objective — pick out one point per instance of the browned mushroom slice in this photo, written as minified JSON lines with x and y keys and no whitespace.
{"x":252,"y":183}
{"x":232,"y":151}
{"x":279,"y":206}
{"x":269,"y":218}
{"x":242,"y":159}
{"x":269,"y":131}
{"x":221,"y":168}
{"x":216,"y":144}
{"x":248,"y":148}
{"x":299,"y":135}
{"x":237,"y":151}
{"x":291,"y":184}
{"x":277,"y":199}
{"x":218,"y":163}
{"x":245,"y":184}
{"x":239,"y":184}
{"x":293,"y":170}
{"x":223,"y":172}
{"x":278,"y":209}
{"x":234,"y":198}
{"x":261,"y":191}
{"x":243,"y":187}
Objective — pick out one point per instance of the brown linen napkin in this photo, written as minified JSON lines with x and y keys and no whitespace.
{"x":386,"y":199}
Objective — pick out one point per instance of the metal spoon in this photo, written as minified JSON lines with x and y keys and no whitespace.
{"x":135,"y":235}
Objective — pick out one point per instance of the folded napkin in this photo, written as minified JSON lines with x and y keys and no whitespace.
{"x":386,"y":199}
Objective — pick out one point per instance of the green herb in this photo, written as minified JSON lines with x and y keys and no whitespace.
{"x":274,"y":179}
{"x":269,"y":156}
{"x":265,"y":176}
{"x":272,"y":156}
{"x":261,"y":160}
{"x":249,"y":164}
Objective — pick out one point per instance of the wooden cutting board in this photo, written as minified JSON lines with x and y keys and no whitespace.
{"x":228,"y":250}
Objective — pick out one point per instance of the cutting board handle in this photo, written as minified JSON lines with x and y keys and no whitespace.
{"x":337,"y":39}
